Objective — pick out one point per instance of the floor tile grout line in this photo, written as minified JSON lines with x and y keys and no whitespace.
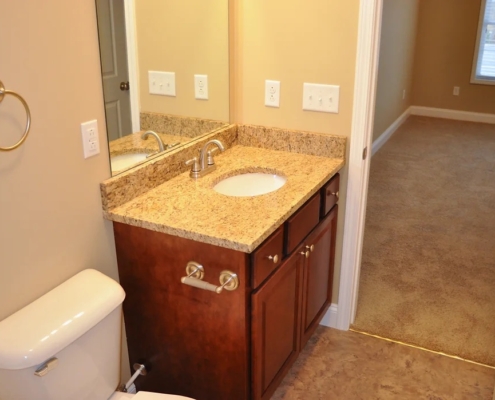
{"x":422,"y":348}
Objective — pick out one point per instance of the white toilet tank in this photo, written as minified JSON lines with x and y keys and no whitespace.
{"x":79,"y":324}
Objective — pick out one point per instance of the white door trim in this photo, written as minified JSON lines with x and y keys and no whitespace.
{"x":370,"y":15}
{"x":132,"y":62}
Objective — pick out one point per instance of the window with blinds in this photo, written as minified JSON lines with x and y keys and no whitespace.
{"x":484,"y":56}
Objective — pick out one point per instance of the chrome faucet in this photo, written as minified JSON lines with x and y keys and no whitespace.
{"x":205,"y":164}
{"x":161,"y":146}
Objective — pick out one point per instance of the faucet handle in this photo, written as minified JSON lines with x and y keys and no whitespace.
{"x":195,"y":164}
{"x":209,"y":159}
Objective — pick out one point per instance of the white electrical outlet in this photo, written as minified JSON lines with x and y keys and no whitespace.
{"x":272,"y":93}
{"x":162,"y":83}
{"x":456,"y":90}
{"x":201,"y":87}
{"x":323,"y":98}
{"x":90,"y":138}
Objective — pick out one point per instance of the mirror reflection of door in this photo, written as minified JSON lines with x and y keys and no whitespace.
{"x":114,"y":68}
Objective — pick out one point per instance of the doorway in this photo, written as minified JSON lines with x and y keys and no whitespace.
{"x":117,"y":55}
{"x":353,"y":272}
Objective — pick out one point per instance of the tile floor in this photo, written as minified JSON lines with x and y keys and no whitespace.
{"x":337,"y":365}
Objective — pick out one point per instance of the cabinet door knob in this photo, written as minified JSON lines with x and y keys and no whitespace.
{"x":273,"y":258}
{"x":330,"y":193}
{"x":305,"y":253}
{"x":311,"y":248}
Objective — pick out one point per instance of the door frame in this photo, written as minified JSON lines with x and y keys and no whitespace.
{"x":368,"y":48}
{"x":132,"y":62}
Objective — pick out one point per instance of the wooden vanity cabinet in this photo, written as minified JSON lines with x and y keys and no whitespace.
{"x":318,"y":274}
{"x":276,"y":316}
{"x":237,"y":344}
{"x":289,"y":306}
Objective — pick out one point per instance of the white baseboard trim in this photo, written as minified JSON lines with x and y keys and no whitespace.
{"x":453,"y":114}
{"x":330,"y":318}
{"x":385,"y":136}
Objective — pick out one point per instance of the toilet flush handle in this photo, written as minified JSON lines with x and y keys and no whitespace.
{"x":46,"y":367}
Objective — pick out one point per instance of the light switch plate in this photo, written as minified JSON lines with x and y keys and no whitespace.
{"x":272,"y":93}
{"x":90,"y":138}
{"x":322,"y":98}
{"x":201,"y":87}
{"x":162,"y":83}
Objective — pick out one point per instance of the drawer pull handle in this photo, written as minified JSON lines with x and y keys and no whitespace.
{"x":195,"y":274}
{"x":305,"y":253}
{"x":330,"y":193}
{"x":311,"y":248}
{"x":273,"y":258}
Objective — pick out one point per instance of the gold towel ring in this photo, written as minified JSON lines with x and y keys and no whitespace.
{"x":3,"y":92}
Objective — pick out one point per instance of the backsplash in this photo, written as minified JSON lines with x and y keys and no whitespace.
{"x":293,"y":141}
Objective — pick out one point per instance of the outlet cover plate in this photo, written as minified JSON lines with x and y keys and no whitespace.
{"x":272,"y":93}
{"x":322,"y":98}
{"x":90,"y":138}
{"x":161,"y":83}
{"x":201,"y":87}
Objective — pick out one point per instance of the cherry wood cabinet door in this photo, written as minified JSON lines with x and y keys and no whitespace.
{"x":318,"y":274}
{"x":276,"y":326}
{"x":193,"y":342}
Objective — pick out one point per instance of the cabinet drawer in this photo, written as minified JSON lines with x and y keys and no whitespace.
{"x":267,"y":257}
{"x":302,"y":222}
{"x":330,"y":195}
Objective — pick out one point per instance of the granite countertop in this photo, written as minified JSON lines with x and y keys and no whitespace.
{"x":191,"y":209}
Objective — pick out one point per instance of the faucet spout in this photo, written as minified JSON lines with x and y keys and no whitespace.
{"x":204,"y":151}
{"x":205,"y":164}
{"x":145,"y":135}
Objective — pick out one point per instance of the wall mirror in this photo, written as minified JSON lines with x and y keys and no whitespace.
{"x":165,"y":68}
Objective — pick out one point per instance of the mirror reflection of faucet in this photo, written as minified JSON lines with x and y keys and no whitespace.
{"x":161,"y":145}
{"x":205,"y":164}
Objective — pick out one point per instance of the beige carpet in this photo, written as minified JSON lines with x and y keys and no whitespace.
{"x":428,"y":269}
{"x":337,"y":365}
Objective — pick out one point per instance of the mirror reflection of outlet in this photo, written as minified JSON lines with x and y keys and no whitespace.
{"x":162,"y":83}
{"x":201,"y":87}
{"x":272,"y":93}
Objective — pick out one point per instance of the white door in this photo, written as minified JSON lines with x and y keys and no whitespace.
{"x":114,"y":68}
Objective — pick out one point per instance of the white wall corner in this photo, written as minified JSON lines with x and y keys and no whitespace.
{"x":387,"y":134}
{"x":330,"y":318}
{"x":453,"y":114}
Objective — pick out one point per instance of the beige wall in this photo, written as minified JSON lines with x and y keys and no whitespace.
{"x":444,"y":56}
{"x":188,"y":38}
{"x":296,"y":42}
{"x":311,"y":42}
{"x":51,"y":224}
{"x":395,"y":72}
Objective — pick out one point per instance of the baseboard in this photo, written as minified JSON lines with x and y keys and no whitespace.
{"x":330,"y":318}
{"x":387,"y":134}
{"x":453,"y":114}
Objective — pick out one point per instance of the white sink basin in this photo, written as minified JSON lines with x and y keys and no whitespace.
{"x":124,"y":161}
{"x":249,"y":185}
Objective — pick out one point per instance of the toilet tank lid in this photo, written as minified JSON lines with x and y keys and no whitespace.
{"x":50,"y":323}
